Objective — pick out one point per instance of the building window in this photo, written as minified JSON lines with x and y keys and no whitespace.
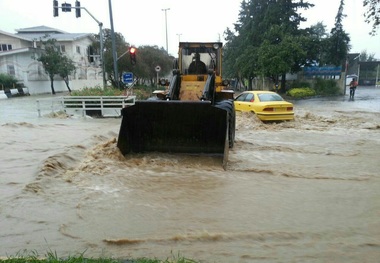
{"x":11,"y":70}
{"x":78,"y":49}
{"x":62,"y":48}
{"x":90,"y":54}
{"x":5,"y":47}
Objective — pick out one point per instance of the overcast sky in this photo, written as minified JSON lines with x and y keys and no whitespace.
{"x":142,"y":22}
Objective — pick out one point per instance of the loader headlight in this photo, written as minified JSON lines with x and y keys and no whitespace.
{"x":216,"y":46}
{"x":225,"y":82}
{"x":163,"y":82}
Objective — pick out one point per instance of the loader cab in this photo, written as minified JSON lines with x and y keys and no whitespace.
{"x":209,"y":54}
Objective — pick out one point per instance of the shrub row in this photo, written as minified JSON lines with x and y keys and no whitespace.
{"x":323,"y":87}
{"x":301,"y":92}
{"x":141,"y":92}
{"x":7,"y":81}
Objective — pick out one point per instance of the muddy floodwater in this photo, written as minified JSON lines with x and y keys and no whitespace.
{"x":306,"y":190}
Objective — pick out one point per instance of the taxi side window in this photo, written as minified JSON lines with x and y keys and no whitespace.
{"x":249,"y":98}
{"x":241,"y":97}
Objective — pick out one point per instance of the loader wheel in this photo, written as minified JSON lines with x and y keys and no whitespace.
{"x":229,"y":106}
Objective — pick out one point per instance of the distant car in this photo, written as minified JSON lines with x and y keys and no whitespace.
{"x":267,"y":105}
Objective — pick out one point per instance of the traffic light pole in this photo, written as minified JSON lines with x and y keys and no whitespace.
{"x":100,"y":24}
{"x":101,"y":44}
{"x":122,"y":55}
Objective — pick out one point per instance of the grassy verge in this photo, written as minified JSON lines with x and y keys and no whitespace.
{"x":51,"y":257}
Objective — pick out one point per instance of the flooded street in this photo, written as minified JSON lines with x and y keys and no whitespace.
{"x":300,"y":191}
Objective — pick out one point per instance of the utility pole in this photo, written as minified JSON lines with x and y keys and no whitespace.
{"x":166,"y":28}
{"x":113,"y":46}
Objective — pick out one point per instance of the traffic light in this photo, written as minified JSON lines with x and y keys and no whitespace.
{"x":55,"y":8}
{"x":66,"y":7}
{"x":132,"y":55}
{"x":77,"y":8}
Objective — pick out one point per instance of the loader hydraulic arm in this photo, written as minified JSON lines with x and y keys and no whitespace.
{"x":175,"y":84}
{"x":209,"y":88}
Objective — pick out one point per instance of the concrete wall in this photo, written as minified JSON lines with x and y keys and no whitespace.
{"x":43,"y":87}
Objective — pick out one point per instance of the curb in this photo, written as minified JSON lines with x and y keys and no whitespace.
{"x":9,"y":93}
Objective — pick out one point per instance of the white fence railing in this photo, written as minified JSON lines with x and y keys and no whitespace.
{"x":102,"y":106}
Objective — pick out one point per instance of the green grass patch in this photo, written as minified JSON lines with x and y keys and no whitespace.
{"x":97,"y":91}
{"x":52,"y":257}
{"x":141,"y":92}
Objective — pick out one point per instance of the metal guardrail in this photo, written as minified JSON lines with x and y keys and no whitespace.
{"x":87,"y":105}
{"x":50,"y":105}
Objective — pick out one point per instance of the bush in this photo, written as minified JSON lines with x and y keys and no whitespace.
{"x":143,"y":92}
{"x":297,"y":83}
{"x":322,"y":87}
{"x":7,"y":81}
{"x":326,"y":87}
{"x":301,"y":92}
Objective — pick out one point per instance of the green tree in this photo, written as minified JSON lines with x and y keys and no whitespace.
{"x":316,"y":44}
{"x":148,"y":57}
{"x":365,"y":56}
{"x":67,"y":67}
{"x":318,"y":31}
{"x":281,"y":55}
{"x":372,"y":14}
{"x":121,"y":48}
{"x":50,"y":59}
{"x":262,"y":27}
{"x":338,"y":42}
{"x":54,"y":62}
{"x":242,"y":43}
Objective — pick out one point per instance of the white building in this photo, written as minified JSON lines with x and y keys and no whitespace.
{"x":17,"y":52}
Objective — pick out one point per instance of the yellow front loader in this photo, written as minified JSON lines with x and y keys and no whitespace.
{"x":194,"y":115}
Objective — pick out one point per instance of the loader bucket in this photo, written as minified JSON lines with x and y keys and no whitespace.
{"x":174,"y":127}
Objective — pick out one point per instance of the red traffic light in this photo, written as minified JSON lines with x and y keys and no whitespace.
{"x":132,"y":55}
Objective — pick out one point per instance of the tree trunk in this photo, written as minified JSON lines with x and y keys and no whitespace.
{"x":283,"y":83}
{"x":52,"y":85}
{"x":66,"y":80}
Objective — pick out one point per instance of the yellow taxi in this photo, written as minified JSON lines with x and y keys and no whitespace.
{"x":267,"y":105}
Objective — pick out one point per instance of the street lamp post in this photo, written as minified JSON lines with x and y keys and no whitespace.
{"x":166,"y":28}
{"x":179,"y":37}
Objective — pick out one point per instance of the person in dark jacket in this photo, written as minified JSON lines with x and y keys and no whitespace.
{"x":197,"y":66}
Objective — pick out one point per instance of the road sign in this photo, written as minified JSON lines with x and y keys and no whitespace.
{"x":157,"y":68}
{"x":127,"y":77}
